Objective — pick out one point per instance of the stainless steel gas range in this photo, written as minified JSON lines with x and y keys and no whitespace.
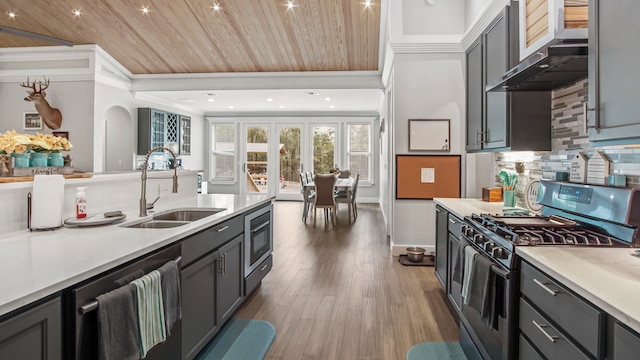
{"x":572,"y":215}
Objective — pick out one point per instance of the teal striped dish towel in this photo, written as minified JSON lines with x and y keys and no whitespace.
{"x":150,"y":311}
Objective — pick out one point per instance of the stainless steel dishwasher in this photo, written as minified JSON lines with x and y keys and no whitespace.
{"x":81,"y":311}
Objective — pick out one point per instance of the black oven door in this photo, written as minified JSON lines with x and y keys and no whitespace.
{"x":260,"y":241}
{"x":258,"y":238}
{"x":493,"y":328}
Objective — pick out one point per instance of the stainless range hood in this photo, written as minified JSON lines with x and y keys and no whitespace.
{"x":552,"y":67}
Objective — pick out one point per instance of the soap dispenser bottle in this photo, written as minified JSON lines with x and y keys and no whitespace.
{"x":81,"y":203}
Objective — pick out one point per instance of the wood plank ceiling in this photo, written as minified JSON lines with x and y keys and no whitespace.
{"x":188,"y":36}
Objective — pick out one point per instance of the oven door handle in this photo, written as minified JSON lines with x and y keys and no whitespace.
{"x":503,"y":274}
{"x":266,"y":223}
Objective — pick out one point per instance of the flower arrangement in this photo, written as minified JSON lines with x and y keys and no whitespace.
{"x":13,"y":142}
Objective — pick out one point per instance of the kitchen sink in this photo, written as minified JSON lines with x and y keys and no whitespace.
{"x":157,"y":224}
{"x":186,"y":214}
{"x":174,"y":218}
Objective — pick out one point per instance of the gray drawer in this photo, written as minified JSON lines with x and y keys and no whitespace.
{"x":455,"y":225}
{"x":526,"y":351}
{"x":575,"y":316}
{"x":212,"y":238}
{"x":552,"y":343}
{"x":626,"y":344}
{"x":255,"y":278}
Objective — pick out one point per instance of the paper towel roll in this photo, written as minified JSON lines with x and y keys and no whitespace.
{"x":47,"y":201}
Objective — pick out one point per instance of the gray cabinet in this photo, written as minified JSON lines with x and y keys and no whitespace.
{"x":454,"y":265}
{"x":557,"y":322}
{"x":475,"y":96}
{"x":613,"y":72}
{"x":212,"y":283}
{"x":185,"y":135}
{"x":230,"y":279}
{"x":34,"y":334}
{"x":447,"y":267}
{"x":497,"y":120}
{"x":157,"y":128}
{"x":496,"y":64}
{"x":442,"y":233}
{"x":626,"y":343}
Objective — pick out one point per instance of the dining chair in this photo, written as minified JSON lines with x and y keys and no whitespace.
{"x":324,"y":197}
{"x":308,"y":199}
{"x":343,"y":196}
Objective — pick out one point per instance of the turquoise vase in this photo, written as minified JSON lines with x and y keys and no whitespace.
{"x":38,"y":160}
{"x":20,"y":160}
{"x":56,"y":159}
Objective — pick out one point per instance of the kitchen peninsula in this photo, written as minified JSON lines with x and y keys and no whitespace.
{"x":42,"y":267}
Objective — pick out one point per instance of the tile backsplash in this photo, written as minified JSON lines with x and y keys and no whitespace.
{"x":568,"y":137}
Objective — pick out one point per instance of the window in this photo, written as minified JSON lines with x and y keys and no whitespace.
{"x":324,"y":145}
{"x":223,"y":157}
{"x":359,"y":150}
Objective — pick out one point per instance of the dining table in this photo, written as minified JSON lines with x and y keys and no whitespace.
{"x":344,"y":184}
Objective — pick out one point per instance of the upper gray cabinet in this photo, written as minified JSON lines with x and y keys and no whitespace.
{"x":157,"y":128}
{"x":614,"y":73}
{"x":502,"y":121}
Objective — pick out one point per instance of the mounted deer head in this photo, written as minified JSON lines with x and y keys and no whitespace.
{"x":52,"y":117}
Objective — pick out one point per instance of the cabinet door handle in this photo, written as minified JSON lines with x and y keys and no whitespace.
{"x":224,"y":263}
{"x":263,"y":267}
{"x":545,"y":287}
{"x":452,"y":221}
{"x":221,"y":229}
{"x":219,"y":261}
{"x":478,"y":135}
{"x":542,"y":330}
{"x":437,"y":210}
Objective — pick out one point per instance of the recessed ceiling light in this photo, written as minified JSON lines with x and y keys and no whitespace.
{"x":76,"y":12}
{"x":332,"y":106}
{"x":281,"y":106}
{"x":327,"y":99}
{"x":145,"y":10}
{"x":210,"y":100}
{"x":313,"y":93}
{"x":290,"y":5}
{"x":367,"y":3}
{"x":230,"y":107}
{"x":11,"y":14}
{"x":269,"y":99}
{"x":216,"y":7}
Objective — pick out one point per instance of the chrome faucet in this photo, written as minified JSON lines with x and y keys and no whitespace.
{"x":143,"y":191}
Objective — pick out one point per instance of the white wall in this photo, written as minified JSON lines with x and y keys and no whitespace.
{"x":110,"y":97}
{"x":443,"y":17}
{"x":426,"y":86}
{"x":74,"y":99}
{"x":474,"y":8}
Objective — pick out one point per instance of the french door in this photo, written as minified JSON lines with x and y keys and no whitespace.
{"x":274,"y":154}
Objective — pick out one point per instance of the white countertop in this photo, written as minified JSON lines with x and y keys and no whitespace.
{"x":607,"y":277}
{"x":466,"y":207}
{"x":40,"y":263}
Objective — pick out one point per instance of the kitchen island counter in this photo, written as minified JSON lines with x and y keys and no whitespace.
{"x":607,"y":277}
{"x":37,"y":264}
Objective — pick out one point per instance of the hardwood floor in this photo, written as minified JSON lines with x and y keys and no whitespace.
{"x":337,"y":293}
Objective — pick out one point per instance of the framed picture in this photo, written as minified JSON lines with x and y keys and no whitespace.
{"x":32,"y":121}
{"x":62,"y":134}
{"x":429,"y":135}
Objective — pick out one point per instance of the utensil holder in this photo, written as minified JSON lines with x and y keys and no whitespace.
{"x":509,"y":197}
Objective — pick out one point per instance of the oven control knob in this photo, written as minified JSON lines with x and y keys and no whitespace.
{"x":479,"y":239}
{"x":499,"y":253}
{"x":467,"y":230}
{"x":489,"y":246}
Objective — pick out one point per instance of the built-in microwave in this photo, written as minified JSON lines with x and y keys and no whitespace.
{"x":258,"y":235}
